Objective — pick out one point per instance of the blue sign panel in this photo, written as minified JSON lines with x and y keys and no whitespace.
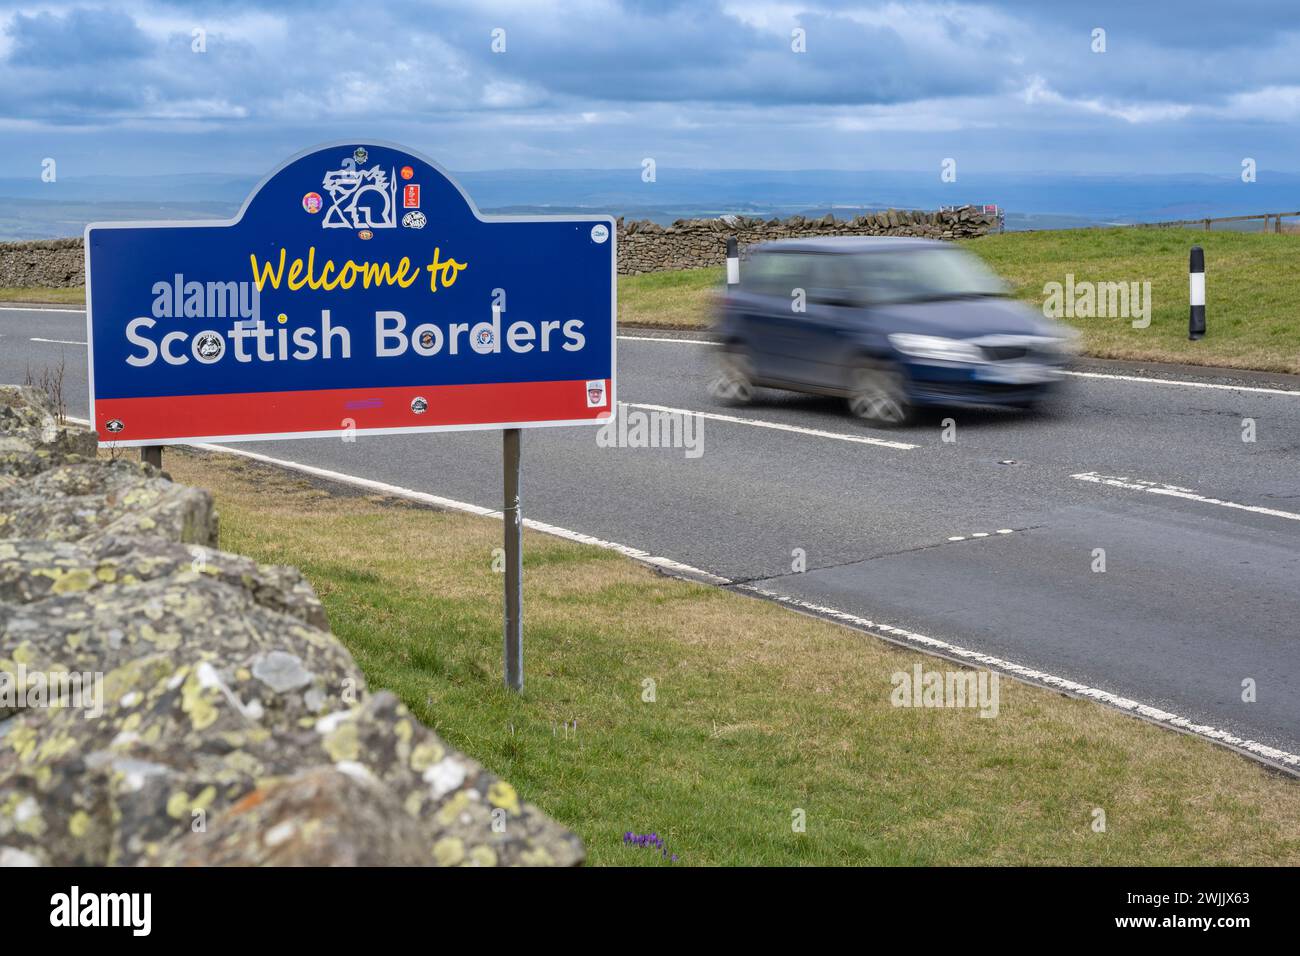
{"x":358,"y":290}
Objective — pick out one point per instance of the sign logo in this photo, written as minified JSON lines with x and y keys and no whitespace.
{"x":209,"y":347}
{"x":360,"y":198}
{"x":599,"y":232}
{"x":407,"y":172}
{"x":285,"y":321}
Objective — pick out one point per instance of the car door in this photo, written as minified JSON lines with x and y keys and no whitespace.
{"x":768,"y":294}
{"x":832,"y":314}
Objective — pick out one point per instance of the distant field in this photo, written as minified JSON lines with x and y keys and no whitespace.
{"x":1252,"y":291}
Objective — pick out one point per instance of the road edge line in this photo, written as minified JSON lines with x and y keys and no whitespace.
{"x":1262,"y":754}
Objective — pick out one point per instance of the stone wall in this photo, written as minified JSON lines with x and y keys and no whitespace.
{"x":216,"y":719}
{"x":45,"y":263}
{"x":643,"y":246}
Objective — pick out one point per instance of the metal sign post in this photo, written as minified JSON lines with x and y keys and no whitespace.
{"x":513,"y":521}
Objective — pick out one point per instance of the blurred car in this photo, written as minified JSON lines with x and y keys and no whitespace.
{"x":889,"y":323}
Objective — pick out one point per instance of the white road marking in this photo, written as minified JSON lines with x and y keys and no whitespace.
{"x":982,"y":534}
{"x":1173,"y":491}
{"x":883,"y":631}
{"x":778,"y":426}
{"x":10,"y":308}
{"x":899,"y":635}
{"x":59,"y":341}
{"x":1169,"y":381}
{"x":449,"y":504}
{"x":1259,"y":389}
{"x":662,"y":338}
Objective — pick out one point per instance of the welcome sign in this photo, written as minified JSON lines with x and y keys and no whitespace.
{"x":358,"y":290}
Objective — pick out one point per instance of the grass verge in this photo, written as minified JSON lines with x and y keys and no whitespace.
{"x":40,"y":295}
{"x":757,"y":712}
{"x":1252,"y":316}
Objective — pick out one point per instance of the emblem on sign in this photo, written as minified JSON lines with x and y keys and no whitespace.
{"x":596,"y":394}
{"x":208,"y":347}
{"x":411,"y":196}
{"x":414,"y":220}
{"x":419,"y":405}
{"x":360,"y":198}
{"x":312,"y":202}
{"x":115,"y":425}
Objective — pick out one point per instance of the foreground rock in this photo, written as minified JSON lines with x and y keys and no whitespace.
{"x":162,"y":702}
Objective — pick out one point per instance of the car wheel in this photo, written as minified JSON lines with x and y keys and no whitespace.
{"x":876,"y":394}
{"x":735,"y":380}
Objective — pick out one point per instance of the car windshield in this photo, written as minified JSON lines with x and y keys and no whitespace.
{"x":918,"y":275}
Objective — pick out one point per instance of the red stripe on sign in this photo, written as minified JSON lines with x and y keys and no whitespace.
{"x":180,"y":417}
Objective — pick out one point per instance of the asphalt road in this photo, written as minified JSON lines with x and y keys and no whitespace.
{"x":1201,"y":587}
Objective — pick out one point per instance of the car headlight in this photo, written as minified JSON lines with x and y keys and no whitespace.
{"x":935,"y":348}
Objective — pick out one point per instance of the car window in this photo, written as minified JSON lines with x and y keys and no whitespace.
{"x":919,"y":274}
{"x":775,"y":273}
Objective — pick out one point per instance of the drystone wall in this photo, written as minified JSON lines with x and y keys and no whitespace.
{"x":643,"y":246}
{"x":163,"y":702}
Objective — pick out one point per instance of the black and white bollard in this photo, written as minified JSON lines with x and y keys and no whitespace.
{"x":733,"y":263}
{"x":1196,"y":280}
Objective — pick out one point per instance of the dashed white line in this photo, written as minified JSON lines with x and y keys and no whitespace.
{"x":1173,"y":491}
{"x":777,"y":426}
{"x":982,"y":534}
{"x":59,"y":341}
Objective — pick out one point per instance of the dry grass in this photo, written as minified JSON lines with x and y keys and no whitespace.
{"x":40,"y":295}
{"x":758,"y":711}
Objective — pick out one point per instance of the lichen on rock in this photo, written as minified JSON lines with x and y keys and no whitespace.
{"x":218,"y":721}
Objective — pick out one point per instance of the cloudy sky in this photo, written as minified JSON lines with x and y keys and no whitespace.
{"x":119,"y":88}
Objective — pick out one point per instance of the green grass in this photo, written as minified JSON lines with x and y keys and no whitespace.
{"x":758,"y":711}
{"x":37,"y":294}
{"x":1251,"y":291}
